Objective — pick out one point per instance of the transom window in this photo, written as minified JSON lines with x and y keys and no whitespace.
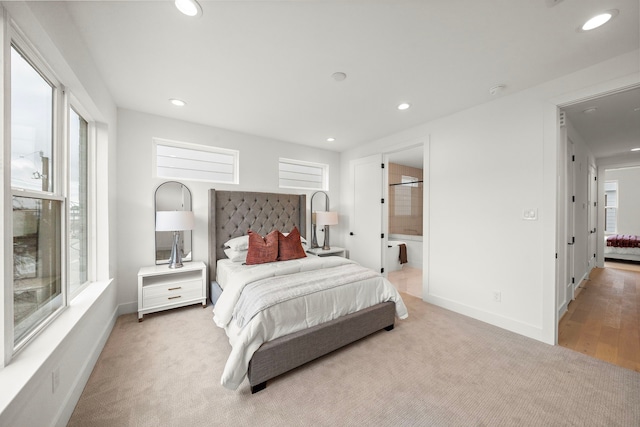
{"x":303,"y":175}
{"x":194,"y":162}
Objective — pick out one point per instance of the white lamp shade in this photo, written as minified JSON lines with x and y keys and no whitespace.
{"x":326,"y":218}
{"x":174,"y":220}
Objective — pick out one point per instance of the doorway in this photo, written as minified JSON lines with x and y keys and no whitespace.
{"x":404,"y":216}
{"x":602,"y":320}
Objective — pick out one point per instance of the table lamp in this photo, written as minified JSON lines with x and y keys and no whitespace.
{"x":325,"y":219}
{"x":175,"y":221}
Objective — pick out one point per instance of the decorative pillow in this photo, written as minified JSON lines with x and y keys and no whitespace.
{"x":238,"y":243}
{"x":262,"y":249}
{"x":290,"y":246}
{"x":236,"y":256}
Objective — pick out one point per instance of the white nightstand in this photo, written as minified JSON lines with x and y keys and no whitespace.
{"x":161,"y":288}
{"x":334,"y":251}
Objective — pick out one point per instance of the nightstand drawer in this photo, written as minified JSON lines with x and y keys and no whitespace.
{"x":176,"y":294}
{"x":164,"y":289}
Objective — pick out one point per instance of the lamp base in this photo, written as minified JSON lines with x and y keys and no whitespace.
{"x":175,"y":261}
{"x":314,"y":238}
{"x":325,"y":245}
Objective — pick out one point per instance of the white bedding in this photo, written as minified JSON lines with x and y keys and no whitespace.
{"x":613,"y":252}
{"x":621,"y":251}
{"x":292,"y":315}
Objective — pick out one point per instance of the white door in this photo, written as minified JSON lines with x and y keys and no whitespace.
{"x":366,"y":231}
{"x":592,"y":212}
{"x":570,"y":218}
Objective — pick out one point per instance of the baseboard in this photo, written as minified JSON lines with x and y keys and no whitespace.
{"x":503,"y":322}
{"x":128,"y":308}
{"x":562,"y":311}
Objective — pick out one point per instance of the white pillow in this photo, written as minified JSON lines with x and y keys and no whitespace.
{"x":242,"y":243}
{"x":236,"y":256}
{"x":238,"y":243}
{"x":302,"y":239}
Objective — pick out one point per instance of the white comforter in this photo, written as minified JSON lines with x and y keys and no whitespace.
{"x":292,"y":315}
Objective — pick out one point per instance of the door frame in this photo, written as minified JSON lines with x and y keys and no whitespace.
{"x":425,"y":143}
{"x":592,"y":92}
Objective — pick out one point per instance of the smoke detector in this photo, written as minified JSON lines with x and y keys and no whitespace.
{"x":496,"y":90}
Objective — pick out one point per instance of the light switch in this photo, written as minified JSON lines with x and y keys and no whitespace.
{"x":530,"y":214}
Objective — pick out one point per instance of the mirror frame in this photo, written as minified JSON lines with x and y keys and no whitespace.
{"x":166,"y":204}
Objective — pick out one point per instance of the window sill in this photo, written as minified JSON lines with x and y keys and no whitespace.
{"x":32,"y":359}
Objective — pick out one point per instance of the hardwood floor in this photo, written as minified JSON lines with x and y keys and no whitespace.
{"x":604,"y":319}
{"x":408,"y":280}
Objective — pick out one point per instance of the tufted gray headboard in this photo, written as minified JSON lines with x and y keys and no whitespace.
{"x":234,"y":213}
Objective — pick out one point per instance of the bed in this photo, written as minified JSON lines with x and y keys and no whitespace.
{"x":622,"y":247}
{"x":277,"y":340}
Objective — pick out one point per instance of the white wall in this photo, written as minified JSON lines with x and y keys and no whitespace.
{"x":483,"y":167}
{"x":72,"y":343}
{"x":136,"y":185}
{"x":628,"y":198}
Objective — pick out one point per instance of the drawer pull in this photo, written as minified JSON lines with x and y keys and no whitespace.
{"x":177,"y":296}
{"x":173,"y":289}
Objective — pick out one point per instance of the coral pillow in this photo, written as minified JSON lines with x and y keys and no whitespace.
{"x":290,"y":246}
{"x":262,"y":249}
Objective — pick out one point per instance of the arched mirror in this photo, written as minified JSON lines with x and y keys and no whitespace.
{"x":172,"y":196}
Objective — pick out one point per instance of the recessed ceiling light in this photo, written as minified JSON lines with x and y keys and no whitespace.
{"x":635,"y":149}
{"x":590,"y":110}
{"x":177,"y":102}
{"x":189,"y":7}
{"x":599,"y":20}
{"x":404,"y":106}
{"x":339,"y":76}
{"x":330,"y":139}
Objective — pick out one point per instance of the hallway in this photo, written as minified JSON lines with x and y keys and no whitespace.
{"x":604,"y":319}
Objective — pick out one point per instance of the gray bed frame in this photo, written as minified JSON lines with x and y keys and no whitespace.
{"x":233,"y":214}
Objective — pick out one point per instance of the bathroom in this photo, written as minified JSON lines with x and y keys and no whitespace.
{"x":404,"y":252}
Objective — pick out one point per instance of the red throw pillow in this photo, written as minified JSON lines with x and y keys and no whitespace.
{"x":290,"y":247}
{"x":262,"y":249}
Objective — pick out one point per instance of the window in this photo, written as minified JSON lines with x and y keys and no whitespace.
{"x":37,"y":211}
{"x":78,"y":201}
{"x":610,"y":206}
{"x":303,"y":175}
{"x":50,"y":194}
{"x":403,"y":205}
{"x":181,"y":160}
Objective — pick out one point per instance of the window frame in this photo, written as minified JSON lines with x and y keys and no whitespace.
{"x":155,"y":141}
{"x":75,"y":104}
{"x":62,"y":102}
{"x":322,"y":166}
{"x":31,"y":56}
{"x":614,"y":206}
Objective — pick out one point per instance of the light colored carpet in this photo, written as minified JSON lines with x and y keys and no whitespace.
{"x":435,"y":368}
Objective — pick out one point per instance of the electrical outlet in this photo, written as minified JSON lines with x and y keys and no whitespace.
{"x":497,"y":296}
{"x":55,"y":379}
{"x":530,"y":214}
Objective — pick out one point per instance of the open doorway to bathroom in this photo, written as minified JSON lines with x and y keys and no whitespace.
{"x":405,"y":195}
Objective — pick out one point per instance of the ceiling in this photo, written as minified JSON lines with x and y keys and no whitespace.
{"x":613,"y":128}
{"x":265,"y":67}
